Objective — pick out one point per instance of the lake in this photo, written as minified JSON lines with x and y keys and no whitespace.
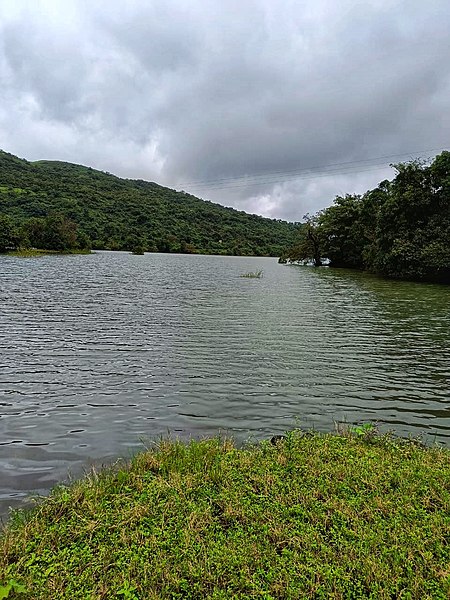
{"x":102,"y":354}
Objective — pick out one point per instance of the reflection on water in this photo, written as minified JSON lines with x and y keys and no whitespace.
{"x":100,"y":353}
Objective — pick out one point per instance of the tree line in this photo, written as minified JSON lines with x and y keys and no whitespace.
{"x":54,"y":232}
{"x":400,"y":229}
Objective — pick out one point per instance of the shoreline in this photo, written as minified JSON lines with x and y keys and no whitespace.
{"x":30,"y":252}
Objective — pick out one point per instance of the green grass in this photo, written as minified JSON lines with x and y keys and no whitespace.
{"x":253,"y":274}
{"x":313,"y":516}
{"x":29,"y":252}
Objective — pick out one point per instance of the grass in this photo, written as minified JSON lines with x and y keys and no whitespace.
{"x":310,"y":516}
{"x":253,"y":274}
{"x":29,"y":252}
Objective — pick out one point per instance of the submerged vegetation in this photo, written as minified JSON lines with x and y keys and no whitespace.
{"x":308,"y":516}
{"x":253,"y":274}
{"x":400,"y":229}
{"x":111,"y":213}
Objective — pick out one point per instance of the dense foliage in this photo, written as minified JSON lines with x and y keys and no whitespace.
{"x":400,"y":229}
{"x":310,"y":516}
{"x":117,"y":214}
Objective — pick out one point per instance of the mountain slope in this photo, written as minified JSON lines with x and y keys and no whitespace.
{"x":116,"y":213}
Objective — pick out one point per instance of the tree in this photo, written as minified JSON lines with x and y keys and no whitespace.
{"x":413,"y":225}
{"x":309,"y":245}
{"x":83,"y":241}
{"x":60,"y":233}
{"x":54,"y":232}
{"x":34,"y":231}
{"x":342,"y":232}
{"x":9,"y":236}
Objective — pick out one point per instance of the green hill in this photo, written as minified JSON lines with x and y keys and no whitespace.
{"x":118,"y":214}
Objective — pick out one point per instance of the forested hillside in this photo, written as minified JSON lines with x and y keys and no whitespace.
{"x":400,"y":229}
{"x":56,"y":204}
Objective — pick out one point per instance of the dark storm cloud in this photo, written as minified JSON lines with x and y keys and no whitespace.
{"x":180,"y":92}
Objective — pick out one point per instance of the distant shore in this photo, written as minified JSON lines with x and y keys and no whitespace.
{"x":26,"y":252}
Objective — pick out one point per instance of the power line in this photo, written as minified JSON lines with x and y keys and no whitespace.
{"x":303,"y":173}
{"x":301,"y":177}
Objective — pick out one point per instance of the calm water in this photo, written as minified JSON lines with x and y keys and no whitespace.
{"x":100,"y":353}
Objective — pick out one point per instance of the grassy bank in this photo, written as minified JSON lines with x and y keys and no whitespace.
{"x":26,"y":252}
{"x":312,"y":516}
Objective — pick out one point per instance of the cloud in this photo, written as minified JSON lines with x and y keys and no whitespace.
{"x":231,"y":93}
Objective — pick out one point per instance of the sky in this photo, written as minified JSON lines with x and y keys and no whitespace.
{"x":274,"y":107}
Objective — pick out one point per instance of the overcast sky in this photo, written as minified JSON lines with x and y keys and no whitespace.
{"x":270,"y":106}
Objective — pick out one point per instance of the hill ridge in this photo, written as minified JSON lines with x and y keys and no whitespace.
{"x":116,"y":213}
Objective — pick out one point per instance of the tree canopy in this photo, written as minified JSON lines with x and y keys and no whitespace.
{"x":400,"y":229}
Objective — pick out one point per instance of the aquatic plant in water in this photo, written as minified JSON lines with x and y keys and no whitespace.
{"x":253,"y":274}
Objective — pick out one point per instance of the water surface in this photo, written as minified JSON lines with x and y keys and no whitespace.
{"x":102,"y":353}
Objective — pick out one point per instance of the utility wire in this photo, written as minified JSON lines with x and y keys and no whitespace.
{"x":293,"y":177}
{"x":303,"y":173}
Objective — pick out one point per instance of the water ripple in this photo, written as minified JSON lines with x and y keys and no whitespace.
{"x":100,"y":353}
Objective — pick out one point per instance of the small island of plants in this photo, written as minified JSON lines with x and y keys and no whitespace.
{"x":307,"y":515}
{"x":253,"y":274}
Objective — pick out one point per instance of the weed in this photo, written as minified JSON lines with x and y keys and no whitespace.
{"x":11,"y":587}
{"x":127,"y":591}
{"x":253,"y":274}
{"x":363,"y":430}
